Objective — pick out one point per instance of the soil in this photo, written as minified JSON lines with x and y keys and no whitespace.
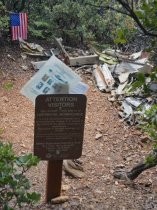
{"x":119,"y":145}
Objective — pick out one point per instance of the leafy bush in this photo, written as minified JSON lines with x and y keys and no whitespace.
{"x":77,"y":22}
{"x":14,"y":186}
{"x":4,"y":20}
{"x":150,"y":123}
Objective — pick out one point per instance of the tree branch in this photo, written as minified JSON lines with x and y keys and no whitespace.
{"x":129,"y":12}
{"x":109,"y":7}
{"x":116,"y":10}
{"x":135,"y":18}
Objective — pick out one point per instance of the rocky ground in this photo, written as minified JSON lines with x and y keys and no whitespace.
{"x":117,"y":145}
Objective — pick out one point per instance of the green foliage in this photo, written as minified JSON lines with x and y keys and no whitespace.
{"x":77,"y":22}
{"x":151,"y":160}
{"x":14,"y":186}
{"x":150,"y":123}
{"x":140,"y":83}
{"x":14,"y":5}
{"x":144,"y":14}
{"x":82,"y":21}
{"x":147,"y":14}
{"x":125,"y":32}
{"x":8,"y":86}
{"x":40,"y":29}
{"x":120,"y":39}
{"x":149,"y":118}
{"x":4,"y":20}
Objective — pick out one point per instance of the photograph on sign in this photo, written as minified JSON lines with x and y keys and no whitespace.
{"x":59,"y":126}
{"x":53,"y":78}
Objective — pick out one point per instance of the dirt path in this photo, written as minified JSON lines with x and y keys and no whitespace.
{"x":119,"y":145}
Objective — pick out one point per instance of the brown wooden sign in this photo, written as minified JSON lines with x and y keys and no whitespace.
{"x":59,"y":126}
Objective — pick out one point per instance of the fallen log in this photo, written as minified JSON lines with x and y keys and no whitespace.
{"x":149,"y":162}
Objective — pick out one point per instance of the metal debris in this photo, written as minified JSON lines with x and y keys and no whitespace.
{"x":38,"y":65}
{"x":127,"y":109}
{"x":100,"y":83}
{"x":24,"y":67}
{"x":136,"y":55}
{"x":113,"y":72}
{"x":133,"y":101}
{"x":107,"y":76}
{"x":121,"y":87}
{"x":153,"y":87}
{"x":33,"y":49}
{"x":123,"y":77}
{"x":11,"y":57}
{"x":119,"y":78}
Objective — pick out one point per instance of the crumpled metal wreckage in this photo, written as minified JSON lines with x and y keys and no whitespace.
{"x":117,"y":77}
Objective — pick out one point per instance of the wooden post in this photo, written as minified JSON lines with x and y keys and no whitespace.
{"x":54,"y":179}
{"x":42,"y":145}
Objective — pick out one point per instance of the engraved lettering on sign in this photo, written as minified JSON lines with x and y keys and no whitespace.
{"x":59,"y":125}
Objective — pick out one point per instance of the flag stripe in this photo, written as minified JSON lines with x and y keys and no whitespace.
{"x":19,"y":26}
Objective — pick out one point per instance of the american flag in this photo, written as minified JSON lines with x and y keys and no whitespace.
{"x":19,"y":26}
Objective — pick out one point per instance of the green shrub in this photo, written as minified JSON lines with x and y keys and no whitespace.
{"x":14,"y":186}
{"x":4,"y":20}
{"x":77,"y":22}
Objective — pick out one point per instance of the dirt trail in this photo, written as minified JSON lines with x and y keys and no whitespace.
{"x":119,"y":145}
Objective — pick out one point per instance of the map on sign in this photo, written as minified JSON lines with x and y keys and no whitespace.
{"x":59,"y":126}
{"x":54,"y":77}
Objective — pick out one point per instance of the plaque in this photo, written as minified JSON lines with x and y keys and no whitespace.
{"x":59,"y":126}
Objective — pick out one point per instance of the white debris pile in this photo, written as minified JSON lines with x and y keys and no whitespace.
{"x":119,"y":77}
{"x":114,"y":72}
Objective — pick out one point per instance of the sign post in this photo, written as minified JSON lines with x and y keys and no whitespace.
{"x":59,"y":128}
{"x":54,"y":177}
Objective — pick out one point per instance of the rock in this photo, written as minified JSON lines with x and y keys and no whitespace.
{"x":59,"y":200}
{"x":129,"y":159}
{"x":126,"y":136}
{"x":111,"y":171}
{"x":111,"y":98}
{"x":5,"y":99}
{"x":72,"y":169}
{"x":137,"y":132}
{"x":23,"y":145}
{"x":112,"y":197}
{"x":65,"y":187}
{"x":120,"y":166}
{"x":99,"y":130}
{"x":24,"y":67}
{"x":98,"y":136}
{"x":144,"y":139}
{"x":24,"y":56}
{"x":98,"y":191}
{"x":116,"y":183}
